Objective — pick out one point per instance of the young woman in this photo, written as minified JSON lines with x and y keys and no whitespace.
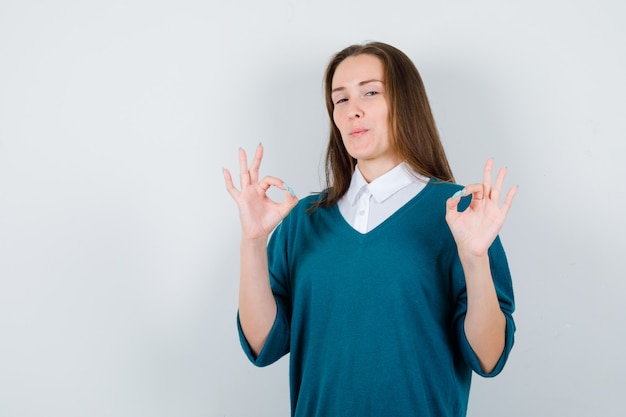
{"x":391,"y":286}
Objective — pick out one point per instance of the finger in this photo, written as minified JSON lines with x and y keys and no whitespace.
{"x":452,"y":204}
{"x":256,"y":164}
{"x":230,"y":187}
{"x":487,"y":172}
{"x":269,"y":181}
{"x":244,"y":175}
{"x":290,"y":198}
{"x":476,"y":190}
{"x":508,"y":200}
{"x":497,"y":187}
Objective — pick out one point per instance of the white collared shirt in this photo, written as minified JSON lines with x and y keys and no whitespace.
{"x":365,"y":206}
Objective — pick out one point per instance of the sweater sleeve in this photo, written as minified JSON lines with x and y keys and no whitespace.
{"x":277,"y":343}
{"x":504,"y":290}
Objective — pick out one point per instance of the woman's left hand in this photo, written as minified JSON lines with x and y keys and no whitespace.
{"x":476,"y":228}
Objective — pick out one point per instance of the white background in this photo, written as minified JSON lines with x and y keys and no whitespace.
{"x":119,"y":243}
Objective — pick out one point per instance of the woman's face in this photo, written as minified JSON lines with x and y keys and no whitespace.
{"x":361,"y":113}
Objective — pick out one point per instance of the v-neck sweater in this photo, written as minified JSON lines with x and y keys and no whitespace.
{"x":373,"y":322}
{"x":366,"y":205}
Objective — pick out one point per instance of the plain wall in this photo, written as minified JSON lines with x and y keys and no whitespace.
{"x":119,"y":244}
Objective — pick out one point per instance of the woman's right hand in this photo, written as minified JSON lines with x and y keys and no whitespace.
{"x":258,"y":213}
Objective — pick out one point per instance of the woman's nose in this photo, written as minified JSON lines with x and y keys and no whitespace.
{"x":355,"y":112}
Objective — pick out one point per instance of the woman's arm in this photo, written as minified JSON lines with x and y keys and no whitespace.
{"x":259,"y":215}
{"x":257,"y":307}
{"x":474,"y":231}
{"x":485,"y":324}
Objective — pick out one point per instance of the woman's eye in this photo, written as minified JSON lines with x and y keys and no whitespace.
{"x":371,"y":93}
{"x":341,"y":100}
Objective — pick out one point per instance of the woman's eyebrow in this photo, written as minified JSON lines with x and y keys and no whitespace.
{"x":360,"y":84}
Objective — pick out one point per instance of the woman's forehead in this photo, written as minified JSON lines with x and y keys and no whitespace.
{"x":358,"y":69}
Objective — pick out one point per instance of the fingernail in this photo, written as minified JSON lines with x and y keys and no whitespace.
{"x":288,"y":188}
{"x":260,"y":144}
{"x":459,"y":193}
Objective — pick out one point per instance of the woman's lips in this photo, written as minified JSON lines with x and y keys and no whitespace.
{"x":358,"y":132}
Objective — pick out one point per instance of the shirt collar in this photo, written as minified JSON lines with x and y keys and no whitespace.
{"x":384,"y":186}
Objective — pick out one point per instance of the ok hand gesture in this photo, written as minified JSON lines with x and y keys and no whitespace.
{"x":476,"y":228}
{"x":258,"y":213}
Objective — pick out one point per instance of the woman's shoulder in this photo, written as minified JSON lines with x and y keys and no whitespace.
{"x":309,"y":201}
{"x":442,"y":191}
{"x":305,"y":205}
{"x":443,"y":188}
{"x":312,"y":198}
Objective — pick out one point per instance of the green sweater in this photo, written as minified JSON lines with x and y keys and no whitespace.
{"x":374,"y":322}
